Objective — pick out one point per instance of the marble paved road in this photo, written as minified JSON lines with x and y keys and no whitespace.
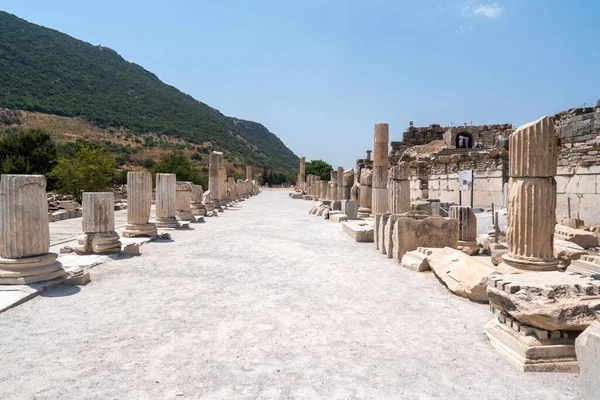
{"x":264,"y":301}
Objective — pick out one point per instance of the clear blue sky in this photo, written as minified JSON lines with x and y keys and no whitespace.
{"x":319,"y":74}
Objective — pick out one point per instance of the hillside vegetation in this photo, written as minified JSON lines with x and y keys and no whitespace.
{"x":45,"y":71}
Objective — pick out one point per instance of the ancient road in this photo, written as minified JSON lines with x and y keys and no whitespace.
{"x":264,"y":301}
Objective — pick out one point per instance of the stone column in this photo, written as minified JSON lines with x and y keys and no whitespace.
{"x":332,"y":187}
{"x":183,"y":202}
{"x":249,"y":173}
{"x":214,"y":187}
{"x":300,"y":185}
{"x":364,"y":204}
{"x":532,"y":197}
{"x":339,"y":180}
{"x":99,"y":236}
{"x":139,"y":203}
{"x":231,"y":186}
{"x":380,"y":168}
{"x":323,"y":190}
{"x":467,"y":229}
{"x":347,"y":183}
{"x":197,"y":207}
{"x":24,"y":232}
{"x":398,"y":188}
{"x":165,"y":201}
{"x":223,"y":194}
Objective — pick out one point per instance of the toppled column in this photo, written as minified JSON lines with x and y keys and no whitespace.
{"x":214,"y":187}
{"x":99,"y":236}
{"x":197,"y":207}
{"x":398,"y":188}
{"x":467,"y":229}
{"x":531,"y":202}
{"x":366,"y":180}
{"x":25,"y":234}
{"x":339,"y":180}
{"x":165,"y":201}
{"x":380,"y":168}
{"x":183,"y":201}
{"x":300,"y":185}
{"x":347,"y":183}
{"x":139,"y":203}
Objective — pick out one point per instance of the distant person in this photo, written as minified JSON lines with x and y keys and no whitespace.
{"x":461,"y":140}
{"x":466,"y":142}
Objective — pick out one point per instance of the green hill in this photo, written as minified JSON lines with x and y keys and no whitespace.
{"x":47,"y":71}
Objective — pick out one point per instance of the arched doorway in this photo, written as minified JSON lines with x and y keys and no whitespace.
{"x":467,"y":141}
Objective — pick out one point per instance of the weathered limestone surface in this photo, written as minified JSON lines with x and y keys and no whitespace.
{"x":585,"y":239}
{"x":99,"y":236}
{"x":378,"y":233}
{"x":24,"y":232}
{"x":347,"y":183}
{"x":388,"y":234}
{"x":301,"y":185}
{"x":214,"y":184}
{"x":248,"y":172}
{"x":323,"y":190}
{"x":350,"y":208}
{"x":183,"y":201}
{"x":340,"y":183}
{"x":547,"y":300}
{"x":417,"y":260}
{"x":410,"y":234}
{"x":165,"y":201}
{"x":587,"y":348}
{"x":467,"y":229}
{"x":398,"y":188}
{"x":360,"y":231}
{"x":197,"y":207}
{"x":139,"y":203}
{"x":366,"y":180}
{"x":532,"y":197}
{"x":380,"y":166}
{"x":587,"y":265}
{"x":463,"y":275}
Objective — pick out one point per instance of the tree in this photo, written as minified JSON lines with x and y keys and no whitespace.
{"x":91,"y":170}
{"x":29,"y":152}
{"x":319,"y":168}
{"x":179,"y":164}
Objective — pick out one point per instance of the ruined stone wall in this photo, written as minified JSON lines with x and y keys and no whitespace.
{"x":578,"y":175}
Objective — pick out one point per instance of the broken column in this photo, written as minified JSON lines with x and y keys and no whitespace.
{"x":531,"y":202}
{"x":347,"y":183}
{"x":398,"y":188}
{"x":99,"y":236}
{"x":339,"y":179}
{"x":25,"y":233}
{"x":467,"y":229}
{"x":165,"y":201}
{"x":323,"y":190}
{"x":380,"y":169}
{"x":197,"y":207}
{"x":366,"y":179}
{"x":214,"y":186}
{"x":231,"y":186}
{"x":183,"y":201}
{"x":332,"y":193}
{"x":300,"y":186}
{"x":139,"y":203}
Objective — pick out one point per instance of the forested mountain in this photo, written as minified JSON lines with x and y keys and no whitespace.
{"x":46,"y":71}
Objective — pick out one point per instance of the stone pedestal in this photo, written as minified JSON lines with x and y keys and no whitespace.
{"x":197,"y":207}
{"x":398,"y":188}
{"x":467,"y":229}
{"x":99,"y":236}
{"x":366,"y":180}
{"x":532,"y":197}
{"x":139,"y":202}
{"x":165,"y":201}
{"x":183,"y":202}
{"x":24,"y":233}
{"x":380,"y":169}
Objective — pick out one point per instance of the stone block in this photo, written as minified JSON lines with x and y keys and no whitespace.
{"x":587,"y":265}
{"x":132,"y":249}
{"x":587,"y":348}
{"x":547,"y":300}
{"x":350,"y":208}
{"x":421,"y":206}
{"x":360,"y":231}
{"x":567,"y":252}
{"x":338,"y":218}
{"x":410,"y":234}
{"x":583,"y":238}
{"x":416,"y":260}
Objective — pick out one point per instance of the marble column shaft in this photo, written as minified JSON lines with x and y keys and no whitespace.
{"x":365,"y":193}
{"x":166,"y":187}
{"x":139,"y":203}
{"x":98,"y":224}
{"x":346,"y":184}
{"x":301,"y":175}
{"x":380,"y":168}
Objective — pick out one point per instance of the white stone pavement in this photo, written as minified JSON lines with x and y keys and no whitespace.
{"x":264,"y":301}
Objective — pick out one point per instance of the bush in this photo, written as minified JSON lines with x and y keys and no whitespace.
{"x":178,"y":163}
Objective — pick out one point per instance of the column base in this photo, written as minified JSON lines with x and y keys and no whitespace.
{"x":98,"y":243}
{"x":185,"y":216}
{"x":26,"y":270}
{"x":166,"y":222}
{"x":530,"y":264}
{"x":468,"y":247}
{"x":199,"y":209}
{"x":133,"y":230}
{"x":364,"y":212}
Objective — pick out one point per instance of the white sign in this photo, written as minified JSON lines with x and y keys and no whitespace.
{"x":465,"y":180}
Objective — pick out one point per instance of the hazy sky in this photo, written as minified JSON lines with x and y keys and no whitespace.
{"x":319,"y":74}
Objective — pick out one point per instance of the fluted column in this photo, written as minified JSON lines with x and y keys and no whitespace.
{"x":196,"y":198}
{"x":365,"y":193}
{"x":24,"y":232}
{"x":398,"y":188}
{"x":139,"y":203}
{"x":532,"y":197}
{"x":380,"y":168}
{"x":183,"y":201}
{"x":467,"y":229}
{"x":98,"y":223}
{"x":165,"y":201}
